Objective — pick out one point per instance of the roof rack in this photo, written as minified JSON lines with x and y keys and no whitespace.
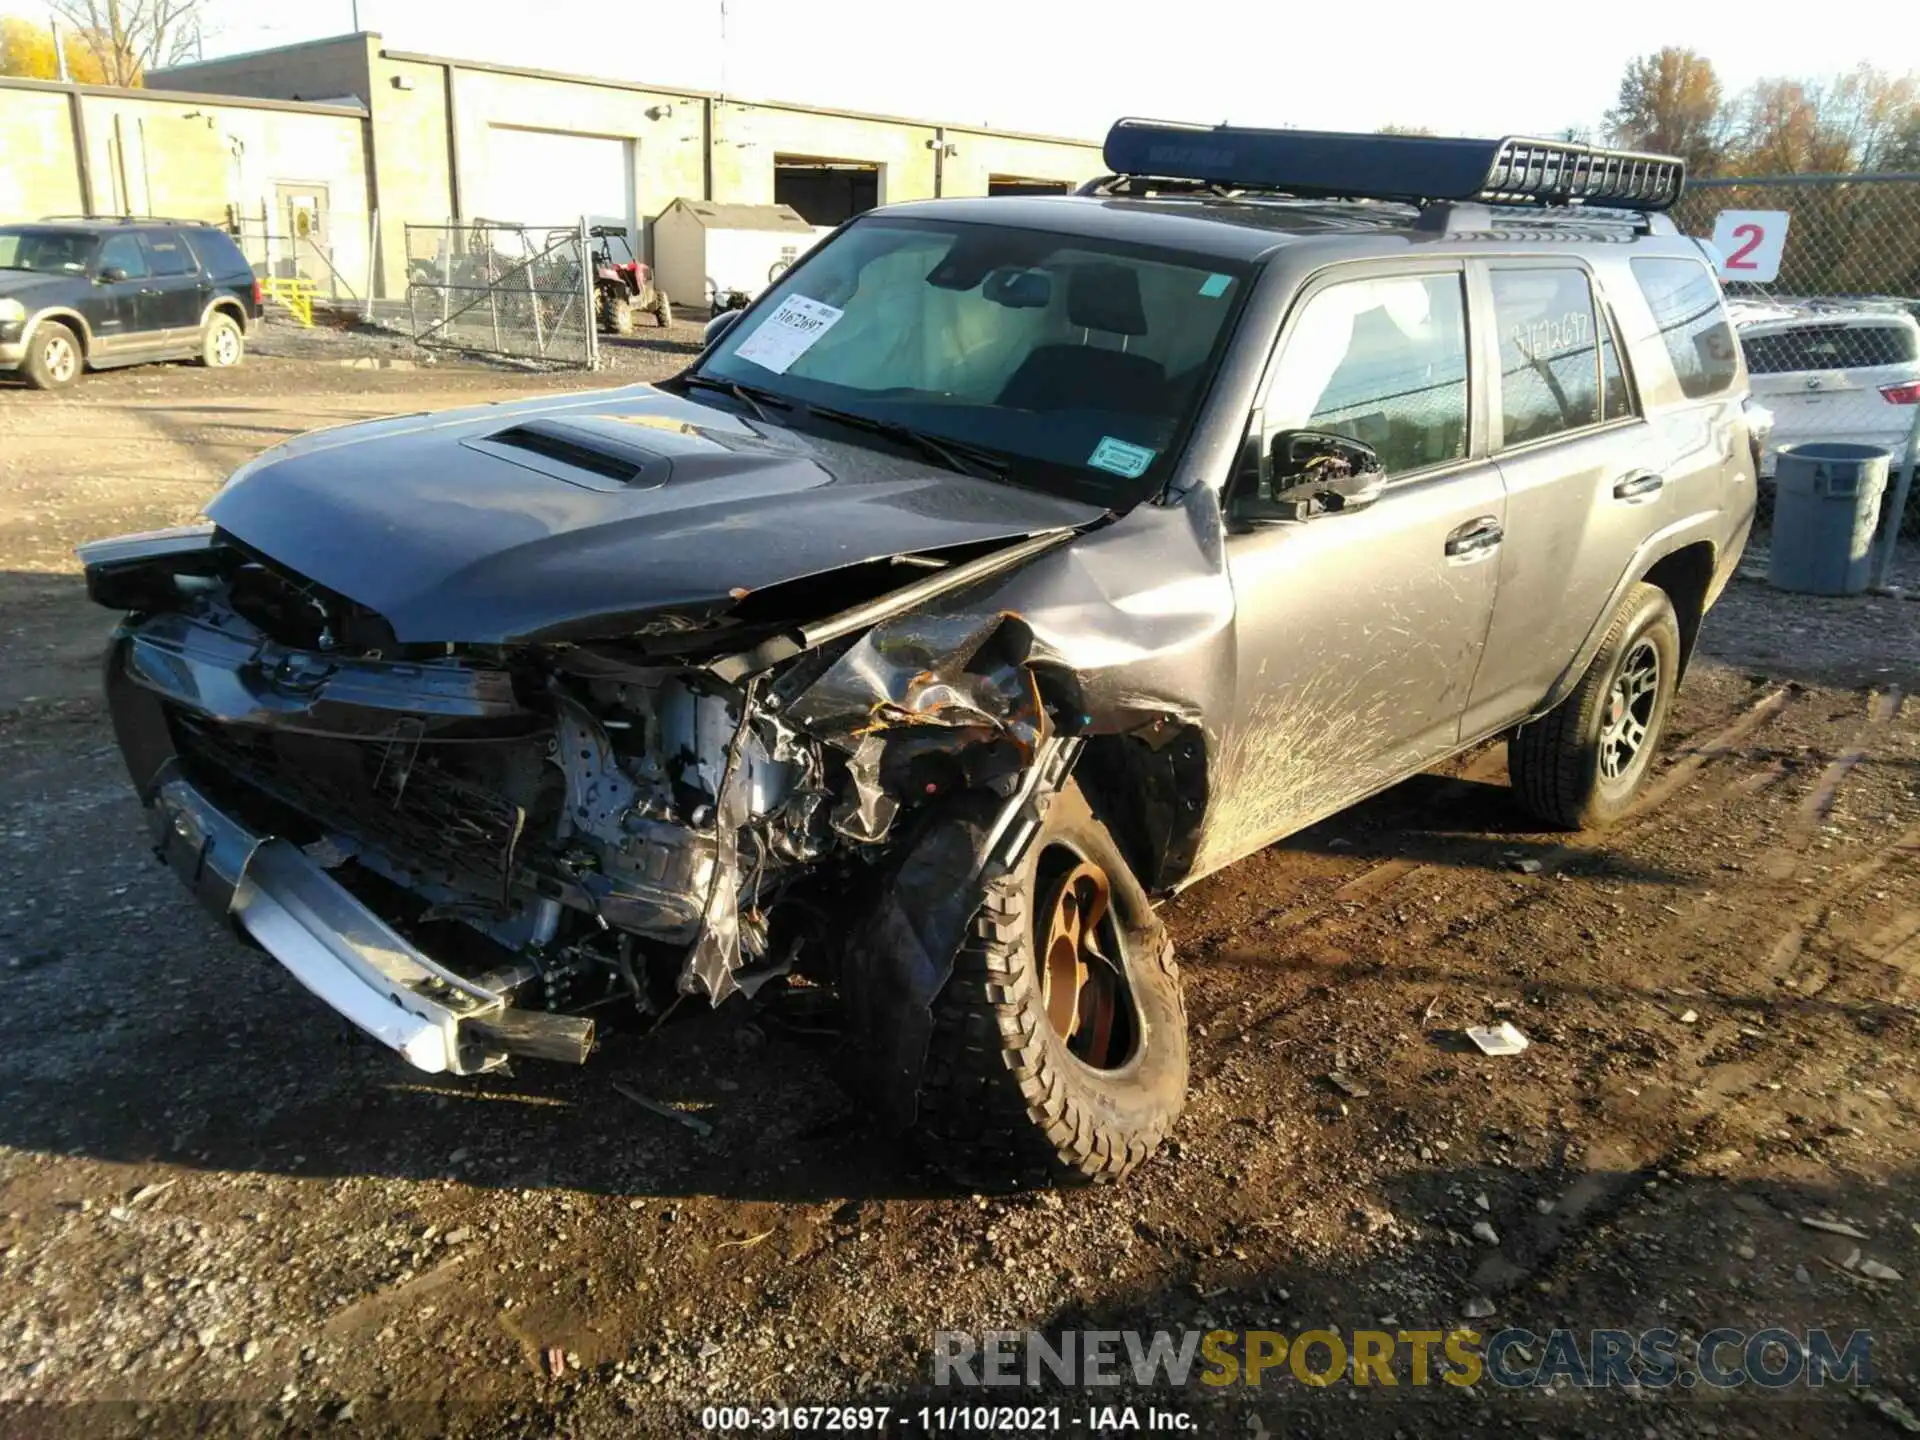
{"x":127,"y":220}
{"x":1336,"y":165}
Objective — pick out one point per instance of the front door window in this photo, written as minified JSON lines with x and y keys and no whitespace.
{"x":1382,"y":361}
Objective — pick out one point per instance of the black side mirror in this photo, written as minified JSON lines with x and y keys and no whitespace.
{"x":112,"y":275}
{"x":720,"y":324}
{"x":1314,"y":472}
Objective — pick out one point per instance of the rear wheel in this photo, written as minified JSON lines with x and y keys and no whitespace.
{"x":662,"y":309}
{"x":1059,"y":1047}
{"x":1581,"y":764}
{"x":222,"y":345}
{"x":54,"y":360}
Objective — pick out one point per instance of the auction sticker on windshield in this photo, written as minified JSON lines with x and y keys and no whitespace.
{"x":788,"y":333}
{"x":1121,"y":458}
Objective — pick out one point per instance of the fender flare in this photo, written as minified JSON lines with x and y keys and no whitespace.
{"x":1709,"y":527}
{"x":227,"y":303}
{"x":72,"y":319}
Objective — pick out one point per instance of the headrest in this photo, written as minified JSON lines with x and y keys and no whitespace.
{"x":1105,"y":296}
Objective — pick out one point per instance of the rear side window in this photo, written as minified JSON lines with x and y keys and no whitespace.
{"x":1831,"y":347}
{"x":1693,"y":325}
{"x":223,"y":257}
{"x":1549,"y":353}
{"x":169,"y":255}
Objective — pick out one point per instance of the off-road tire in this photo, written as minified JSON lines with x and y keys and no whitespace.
{"x":1003,"y":1103}
{"x":662,"y":310}
{"x":1554,"y":762}
{"x":222,"y":344}
{"x":54,"y":357}
{"x":616,"y":314}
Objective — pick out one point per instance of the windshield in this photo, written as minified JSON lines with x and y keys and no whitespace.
{"x":58,"y":252}
{"x":1080,"y":361}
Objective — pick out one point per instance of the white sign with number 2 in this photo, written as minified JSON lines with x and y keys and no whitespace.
{"x":1750,"y":243}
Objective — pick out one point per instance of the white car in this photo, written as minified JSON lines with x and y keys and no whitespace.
{"x":1832,"y":370}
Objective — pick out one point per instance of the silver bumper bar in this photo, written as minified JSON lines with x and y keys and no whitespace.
{"x":343,"y":952}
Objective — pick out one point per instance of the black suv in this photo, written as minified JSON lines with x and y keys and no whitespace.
{"x":80,"y":294}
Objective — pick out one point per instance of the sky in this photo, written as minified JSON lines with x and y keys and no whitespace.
{"x":1070,"y":67}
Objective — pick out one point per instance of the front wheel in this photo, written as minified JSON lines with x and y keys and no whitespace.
{"x":616,"y":313}
{"x":1059,"y":1046}
{"x":53,"y":357}
{"x":1581,"y":764}
{"x":662,"y":309}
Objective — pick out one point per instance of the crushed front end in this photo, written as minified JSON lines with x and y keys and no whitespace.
{"x":475,"y":851}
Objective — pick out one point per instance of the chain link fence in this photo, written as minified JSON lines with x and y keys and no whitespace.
{"x":522,"y":291}
{"x":1822,"y":276}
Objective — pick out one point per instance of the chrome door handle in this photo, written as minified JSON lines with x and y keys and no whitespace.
{"x":1474,"y":537}
{"x":1639,"y":486}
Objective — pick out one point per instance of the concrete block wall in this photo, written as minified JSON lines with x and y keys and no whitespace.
{"x":38,"y":175}
{"x":431,"y":122}
{"x":161,"y":152}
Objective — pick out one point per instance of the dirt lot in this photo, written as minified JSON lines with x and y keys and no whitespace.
{"x":219,"y":1215}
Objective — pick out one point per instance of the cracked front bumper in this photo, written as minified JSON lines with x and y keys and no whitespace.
{"x":341,"y":951}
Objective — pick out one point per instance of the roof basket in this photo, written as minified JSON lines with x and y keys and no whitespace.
{"x":1325,"y":164}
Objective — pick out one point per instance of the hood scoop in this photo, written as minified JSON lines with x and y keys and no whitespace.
{"x":580,"y":452}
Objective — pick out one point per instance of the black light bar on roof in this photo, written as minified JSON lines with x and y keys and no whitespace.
{"x":1328,"y":164}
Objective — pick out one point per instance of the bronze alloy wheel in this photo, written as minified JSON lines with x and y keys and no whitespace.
{"x":1081,"y":985}
{"x":1059,"y":1044}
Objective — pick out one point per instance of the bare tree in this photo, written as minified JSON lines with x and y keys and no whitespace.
{"x":131,"y":37}
{"x":1670,"y":102}
{"x":1863,"y":120}
{"x":1872,"y":112}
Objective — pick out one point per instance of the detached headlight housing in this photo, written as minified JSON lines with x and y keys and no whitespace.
{"x":12,"y":312}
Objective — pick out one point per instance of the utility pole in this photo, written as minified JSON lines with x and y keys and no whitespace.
{"x":60,"y":53}
{"x":356,"y":15}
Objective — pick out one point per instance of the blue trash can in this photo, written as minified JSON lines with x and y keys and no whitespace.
{"x":1826,"y":507}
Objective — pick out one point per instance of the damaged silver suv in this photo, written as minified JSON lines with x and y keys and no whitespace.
{"x":1005,"y":567}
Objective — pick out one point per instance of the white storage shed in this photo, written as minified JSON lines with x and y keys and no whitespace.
{"x":700,"y":246}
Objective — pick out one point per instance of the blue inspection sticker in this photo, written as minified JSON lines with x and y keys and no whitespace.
{"x":1121,"y":458}
{"x":1214,"y":286}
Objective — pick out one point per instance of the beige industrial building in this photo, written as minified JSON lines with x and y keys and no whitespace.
{"x":312,"y":142}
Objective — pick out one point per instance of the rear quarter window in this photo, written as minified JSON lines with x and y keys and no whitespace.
{"x":1692,"y":322}
{"x":223,"y":257}
{"x":1830,"y":347}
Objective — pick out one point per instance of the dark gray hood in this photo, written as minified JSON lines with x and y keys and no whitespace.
{"x":573,"y":517}
{"x":34,"y":288}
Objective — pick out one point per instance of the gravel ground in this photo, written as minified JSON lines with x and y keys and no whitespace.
{"x":220,"y":1215}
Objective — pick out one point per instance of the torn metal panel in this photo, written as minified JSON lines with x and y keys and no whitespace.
{"x":716,"y":951}
{"x":666,"y":806}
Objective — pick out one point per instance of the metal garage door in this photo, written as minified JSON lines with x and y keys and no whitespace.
{"x":549,"y":177}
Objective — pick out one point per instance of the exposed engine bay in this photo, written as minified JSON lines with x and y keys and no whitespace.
{"x":570,"y":828}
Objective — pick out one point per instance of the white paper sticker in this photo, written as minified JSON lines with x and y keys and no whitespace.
{"x":788,"y":333}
